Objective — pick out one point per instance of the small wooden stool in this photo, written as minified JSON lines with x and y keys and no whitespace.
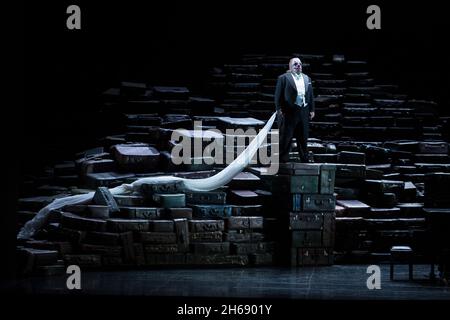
{"x":402,"y":255}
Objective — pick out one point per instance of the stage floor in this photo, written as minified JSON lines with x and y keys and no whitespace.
{"x":338,"y":282}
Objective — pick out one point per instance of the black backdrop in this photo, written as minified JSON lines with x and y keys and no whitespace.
{"x":141,"y":40}
{"x":176,"y":42}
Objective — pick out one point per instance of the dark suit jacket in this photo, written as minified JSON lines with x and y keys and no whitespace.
{"x":286,"y":93}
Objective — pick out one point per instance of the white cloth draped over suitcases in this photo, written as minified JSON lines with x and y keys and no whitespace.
{"x":206,"y":184}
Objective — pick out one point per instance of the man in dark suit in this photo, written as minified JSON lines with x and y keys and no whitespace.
{"x":294,"y":101}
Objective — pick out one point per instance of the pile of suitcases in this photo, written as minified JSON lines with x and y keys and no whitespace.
{"x":305,"y":207}
{"x":163,"y":224}
{"x":390,"y":153}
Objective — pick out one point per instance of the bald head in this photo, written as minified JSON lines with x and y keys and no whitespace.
{"x":295,"y":65}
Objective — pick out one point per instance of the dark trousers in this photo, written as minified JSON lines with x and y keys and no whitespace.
{"x":294,"y":125}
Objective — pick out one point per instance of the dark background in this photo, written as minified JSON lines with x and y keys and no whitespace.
{"x":177,"y":42}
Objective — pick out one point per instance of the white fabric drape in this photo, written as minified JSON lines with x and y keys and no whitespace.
{"x":206,"y":184}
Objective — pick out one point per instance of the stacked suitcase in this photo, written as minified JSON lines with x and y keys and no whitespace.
{"x":305,"y":206}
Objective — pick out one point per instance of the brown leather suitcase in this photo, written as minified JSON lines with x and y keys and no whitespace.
{"x":72,"y":221}
{"x":243,"y":197}
{"x":161,"y":226}
{"x":306,"y":220}
{"x":206,"y":225}
{"x":124,"y":225}
{"x":306,"y":238}
{"x":354,"y":208}
{"x":208,"y":248}
{"x":136,"y":157}
{"x":207,"y":236}
{"x":243,"y":222}
{"x":315,"y":256}
{"x":157,"y":237}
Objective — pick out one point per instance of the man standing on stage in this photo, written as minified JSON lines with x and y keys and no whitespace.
{"x":294,"y":101}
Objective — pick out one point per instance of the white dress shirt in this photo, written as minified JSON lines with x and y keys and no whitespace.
{"x":300,"y":85}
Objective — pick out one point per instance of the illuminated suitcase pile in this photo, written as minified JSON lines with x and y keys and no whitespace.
{"x":390,"y":153}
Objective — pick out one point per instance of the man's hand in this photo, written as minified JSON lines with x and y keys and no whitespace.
{"x":311,"y":115}
{"x":279,"y":112}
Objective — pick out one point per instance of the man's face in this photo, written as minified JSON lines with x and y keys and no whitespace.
{"x":296,"y":66}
